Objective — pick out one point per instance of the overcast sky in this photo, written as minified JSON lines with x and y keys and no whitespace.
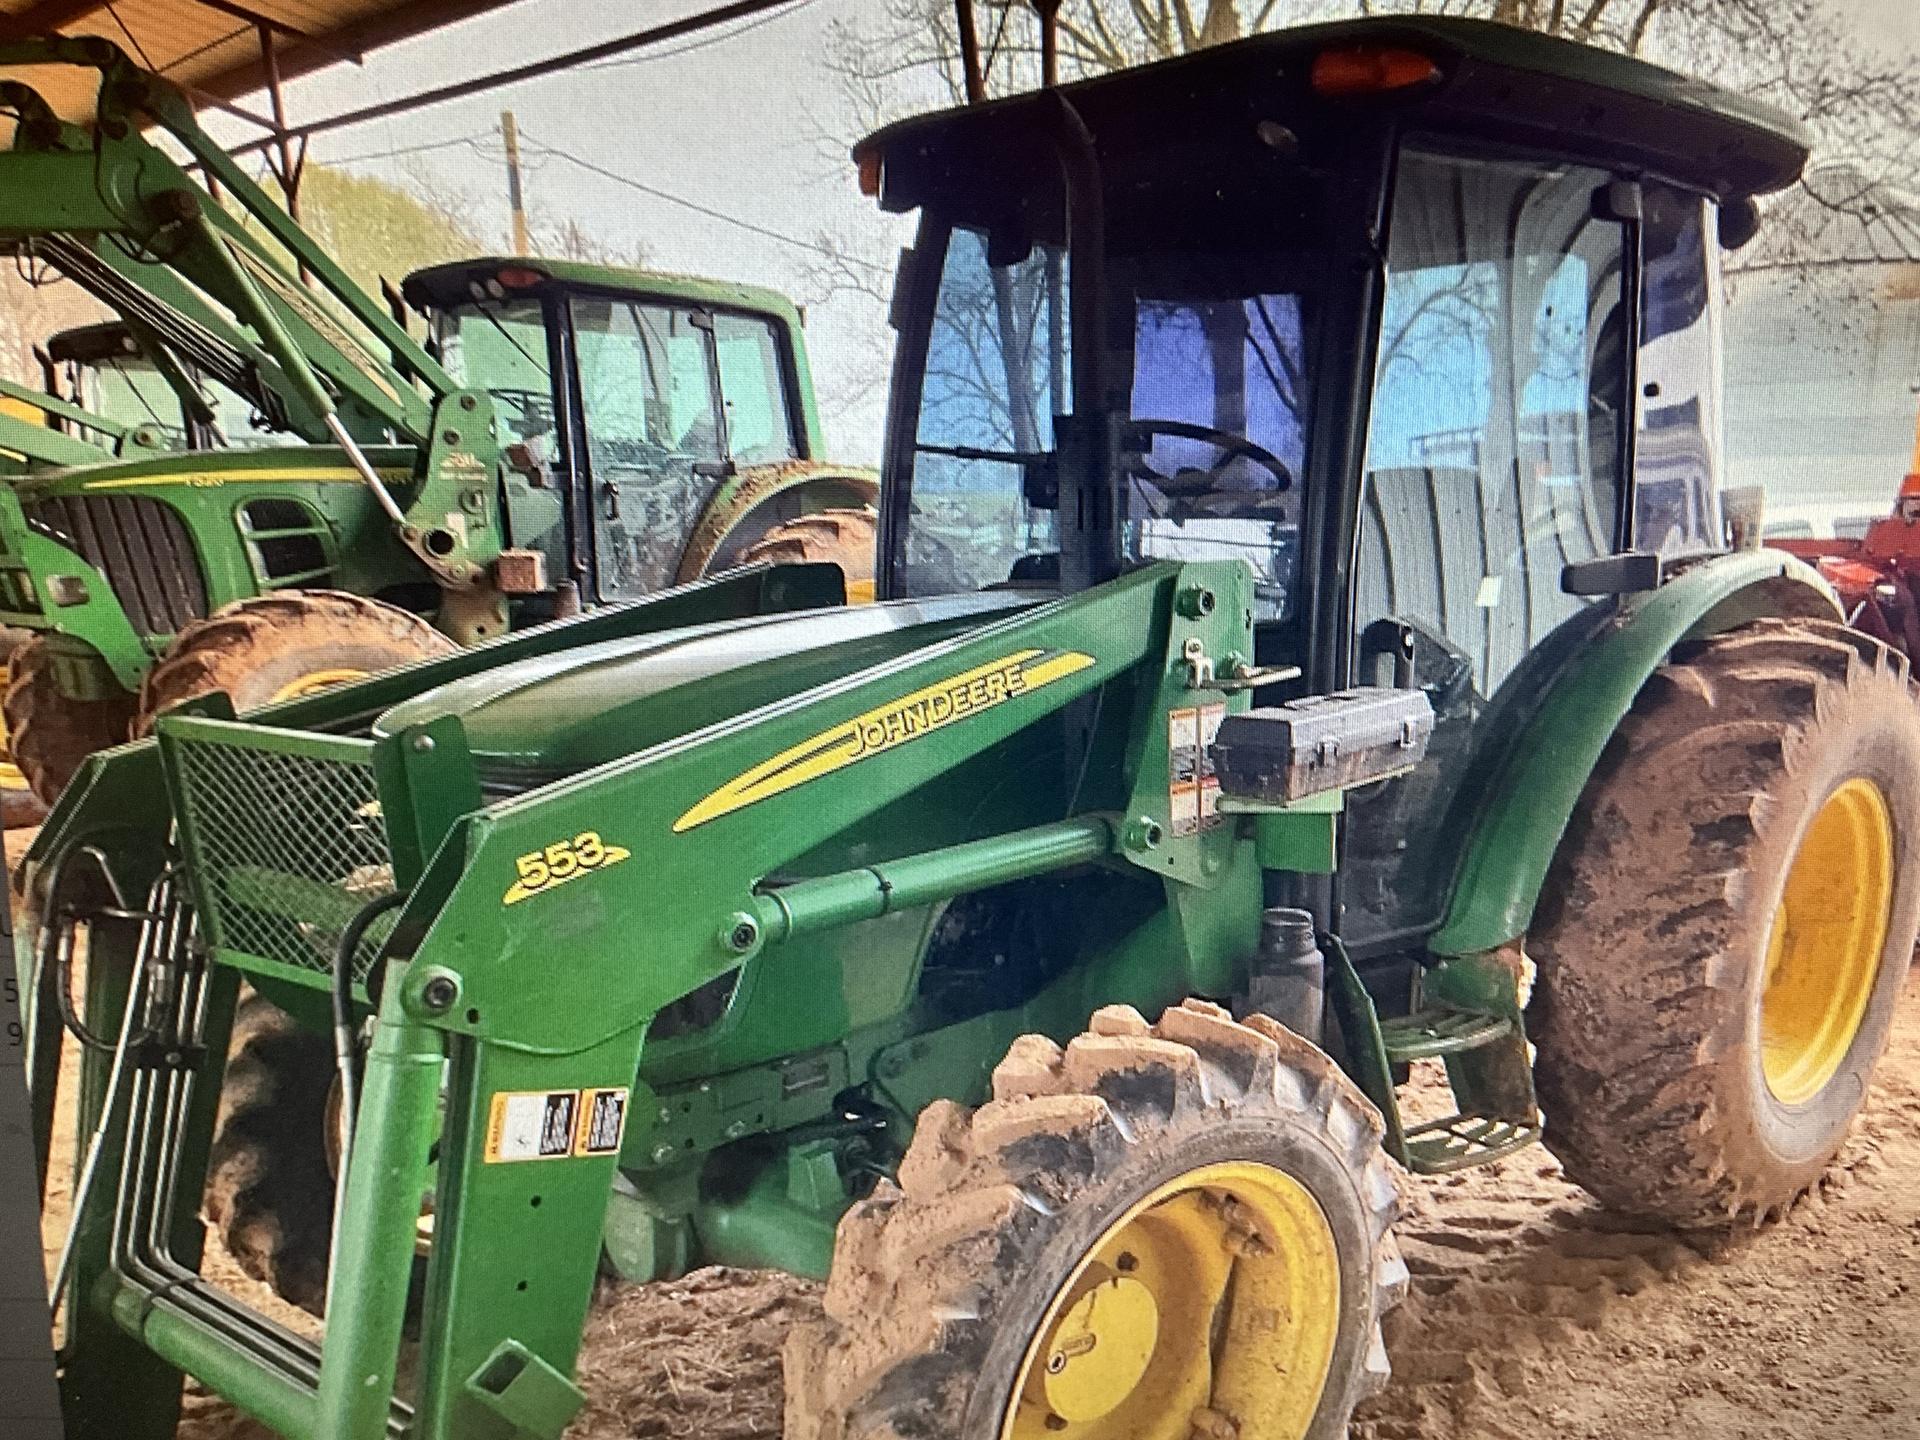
{"x":735,"y":121}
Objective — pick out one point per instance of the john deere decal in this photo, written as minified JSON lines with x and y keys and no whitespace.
{"x":889,"y":726}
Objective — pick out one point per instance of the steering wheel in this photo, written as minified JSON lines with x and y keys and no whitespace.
{"x":1192,"y":482}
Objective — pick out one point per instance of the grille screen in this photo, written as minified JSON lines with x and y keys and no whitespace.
{"x":286,"y":848}
{"x":141,"y":546}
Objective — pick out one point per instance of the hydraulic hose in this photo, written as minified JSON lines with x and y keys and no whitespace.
{"x":52,"y":944}
{"x":340,"y":991}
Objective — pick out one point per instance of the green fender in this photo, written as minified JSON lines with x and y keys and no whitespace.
{"x":97,"y":623}
{"x":1531,"y":800}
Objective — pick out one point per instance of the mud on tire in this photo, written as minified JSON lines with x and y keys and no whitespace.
{"x":847,"y":538}
{"x":1657,"y":943}
{"x":271,"y":647}
{"x":48,"y":733}
{"x":269,"y":1188}
{"x":940,"y":1284}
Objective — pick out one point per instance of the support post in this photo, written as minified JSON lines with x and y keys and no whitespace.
{"x":516,"y":190}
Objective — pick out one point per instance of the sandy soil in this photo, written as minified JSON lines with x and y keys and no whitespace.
{"x":1533,"y":1312}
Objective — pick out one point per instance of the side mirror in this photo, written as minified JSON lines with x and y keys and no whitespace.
{"x":1739,"y":222}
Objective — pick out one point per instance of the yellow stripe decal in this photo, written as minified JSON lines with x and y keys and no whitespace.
{"x":889,"y":726}
{"x":243,"y":477}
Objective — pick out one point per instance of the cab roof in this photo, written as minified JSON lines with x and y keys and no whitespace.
{"x":449,"y":284}
{"x":1492,"y":83}
{"x":105,"y":339}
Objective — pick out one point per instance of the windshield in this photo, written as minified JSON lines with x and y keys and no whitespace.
{"x":501,"y":347}
{"x":131,"y":391}
{"x":237,"y":422}
{"x":1217,"y":349}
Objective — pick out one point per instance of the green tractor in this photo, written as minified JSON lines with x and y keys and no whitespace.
{"x":578,"y":435}
{"x":1267,"y":691}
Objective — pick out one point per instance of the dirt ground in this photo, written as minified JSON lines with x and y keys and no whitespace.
{"x":1532,"y":1312}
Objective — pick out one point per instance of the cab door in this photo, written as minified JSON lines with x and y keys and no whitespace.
{"x":1493,"y":462}
{"x":655,"y":433}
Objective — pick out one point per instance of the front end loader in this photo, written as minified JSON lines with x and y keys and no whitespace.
{"x":608,"y":432}
{"x":1269,"y":691}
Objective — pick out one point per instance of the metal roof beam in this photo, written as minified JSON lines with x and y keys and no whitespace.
{"x":533,"y":70}
{"x":281,"y":27}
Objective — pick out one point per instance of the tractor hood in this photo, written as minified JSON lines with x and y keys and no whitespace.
{"x":548,"y":716}
{"x":207,"y":468}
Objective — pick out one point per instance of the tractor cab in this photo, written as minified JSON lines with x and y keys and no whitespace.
{"x":105,"y":369}
{"x":645,"y":414}
{"x":1355,"y":305}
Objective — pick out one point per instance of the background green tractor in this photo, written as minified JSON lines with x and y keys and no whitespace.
{"x":735,"y":926}
{"x":646,"y":428}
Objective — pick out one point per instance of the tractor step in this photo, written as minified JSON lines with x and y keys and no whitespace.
{"x":1459,"y":1141}
{"x":1426,"y":1034}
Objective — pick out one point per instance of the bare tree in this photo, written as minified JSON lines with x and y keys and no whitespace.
{"x":1862,"y":106}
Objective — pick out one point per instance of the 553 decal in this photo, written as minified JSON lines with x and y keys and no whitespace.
{"x":564,"y":860}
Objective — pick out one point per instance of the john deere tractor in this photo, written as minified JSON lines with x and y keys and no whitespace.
{"x":577,"y":435}
{"x":1268,"y":690}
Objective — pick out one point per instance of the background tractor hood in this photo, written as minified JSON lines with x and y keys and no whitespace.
{"x":552,"y":715}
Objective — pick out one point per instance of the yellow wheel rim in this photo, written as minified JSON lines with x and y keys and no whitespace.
{"x":10,"y":776}
{"x":1210,"y":1307}
{"x":313,"y":680}
{"x":1823,"y":953}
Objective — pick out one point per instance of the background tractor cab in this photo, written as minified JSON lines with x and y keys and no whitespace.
{"x":104,"y":369}
{"x":1384,"y":327}
{"x":664,"y":425}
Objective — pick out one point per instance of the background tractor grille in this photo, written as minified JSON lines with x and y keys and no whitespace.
{"x":142,"y":547}
{"x":286,"y":849}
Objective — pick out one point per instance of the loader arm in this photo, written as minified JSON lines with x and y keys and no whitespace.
{"x":331,"y":341}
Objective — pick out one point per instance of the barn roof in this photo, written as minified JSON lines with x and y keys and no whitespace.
{"x":214,"y":47}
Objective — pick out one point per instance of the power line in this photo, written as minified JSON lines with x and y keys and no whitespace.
{"x":712,"y":214}
{"x":471,"y":141}
{"x":702,"y":44}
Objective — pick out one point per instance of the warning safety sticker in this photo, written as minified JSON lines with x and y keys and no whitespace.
{"x":1193,"y":790}
{"x":531,"y":1125}
{"x":603,"y":1116}
{"x":555,"y":1124}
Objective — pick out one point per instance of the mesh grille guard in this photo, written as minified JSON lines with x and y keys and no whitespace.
{"x":286,"y":840}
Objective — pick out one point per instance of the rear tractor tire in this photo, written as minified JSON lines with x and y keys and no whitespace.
{"x":1157,"y":1233}
{"x":272,"y":648}
{"x":269,"y":1182}
{"x":1729,"y":923}
{"x":847,"y":538}
{"x":48,"y":732}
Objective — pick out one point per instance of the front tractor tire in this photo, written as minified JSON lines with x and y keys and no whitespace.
{"x":49,"y":733}
{"x":1729,"y":923}
{"x":269,"y":1182}
{"x":272,"y":648}
{"x":1157,"y":1233}
{"x":847,"y":538}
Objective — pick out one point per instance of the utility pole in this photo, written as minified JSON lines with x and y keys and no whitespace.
{"x":516,"y":192}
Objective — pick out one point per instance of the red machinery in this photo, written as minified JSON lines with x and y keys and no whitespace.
{"x":1878,"y":575}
